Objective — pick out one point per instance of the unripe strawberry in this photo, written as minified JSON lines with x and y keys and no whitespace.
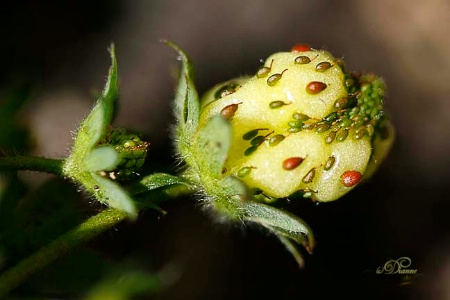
{"x":300,"y":124}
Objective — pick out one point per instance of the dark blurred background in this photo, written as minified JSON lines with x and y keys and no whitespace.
{"x":60,"y":47}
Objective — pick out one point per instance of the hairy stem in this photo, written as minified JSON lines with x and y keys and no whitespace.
{"x":42,"y":164}
{"x":79,"y":235}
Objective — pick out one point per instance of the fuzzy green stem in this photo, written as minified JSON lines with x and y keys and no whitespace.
{"x":41,"y":164}
{"x":79,"y":235}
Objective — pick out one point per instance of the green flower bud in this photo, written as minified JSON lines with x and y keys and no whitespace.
{"x":131,"y":150}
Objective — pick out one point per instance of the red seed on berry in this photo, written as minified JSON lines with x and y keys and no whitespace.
{"x":350,"y":178}
{"x":300,"y":48}
{"x":315,"y":87}
{"x":292,"y":163}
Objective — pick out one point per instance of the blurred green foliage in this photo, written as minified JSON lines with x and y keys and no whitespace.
{"x":32,"y":218}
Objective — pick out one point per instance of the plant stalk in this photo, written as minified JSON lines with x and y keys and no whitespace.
{"x":30,"y":163}
{"x":49,"y":253}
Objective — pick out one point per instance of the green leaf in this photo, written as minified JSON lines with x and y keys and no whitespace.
{"x":103,"y":158}
{"x":111,"y":193}
{"x":287,"y":227}
{"x":155,"y":181}
{"x":227,"y":196}
{"x":212,"y":144}
{"x":187,"y":107}
{"x":156,"y":187}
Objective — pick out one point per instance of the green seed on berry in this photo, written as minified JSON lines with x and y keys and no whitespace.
{"x":257,"y":140}
{"x":295,"y":124}
{"x":342,"y":135}
{"x":300,"y":117}
{"x":323,"y":66}
{"x":244,"y":171}
{"x":301,"y":60}
{"x":273,"y":79}
{"x":341,"y":103}
{"x":330,"y":137}
{"x":330,"y":163}
{"x":309,"y":177}
{"x":252,"y":133}
{"x":331,"y":117}
{"x":264,"y":71}
{"x":309,"y":126}
{"x":228,"y":111}
{"x":345,"y":122}
{"x":225,"y":91}
{"x":322,"y":127}
{"x":359,"y":134}
{"x":277,"y":104}
{"x":294,"y":130}
{"x":276,"y":139}
{"x":250,"y":150}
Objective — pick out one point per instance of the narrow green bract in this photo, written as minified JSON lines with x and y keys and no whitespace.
{"x":87,"y":158}
{"x":186,"y":108}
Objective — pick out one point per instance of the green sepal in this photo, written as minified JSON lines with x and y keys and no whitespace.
{"x":232,"y":198}
{"x":86,"y":158}
{"x":103,"y":158}
{"x":212,"y":143}
{"x":290,"y":246}
{"x":93,"y":128}
{"x":187,"y":107}
{"x":114,"y":195}
{"x":155,"y":181}
{"x":281,"y":223}
{"x":158,"y":187}
{"x":227,"y":195}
